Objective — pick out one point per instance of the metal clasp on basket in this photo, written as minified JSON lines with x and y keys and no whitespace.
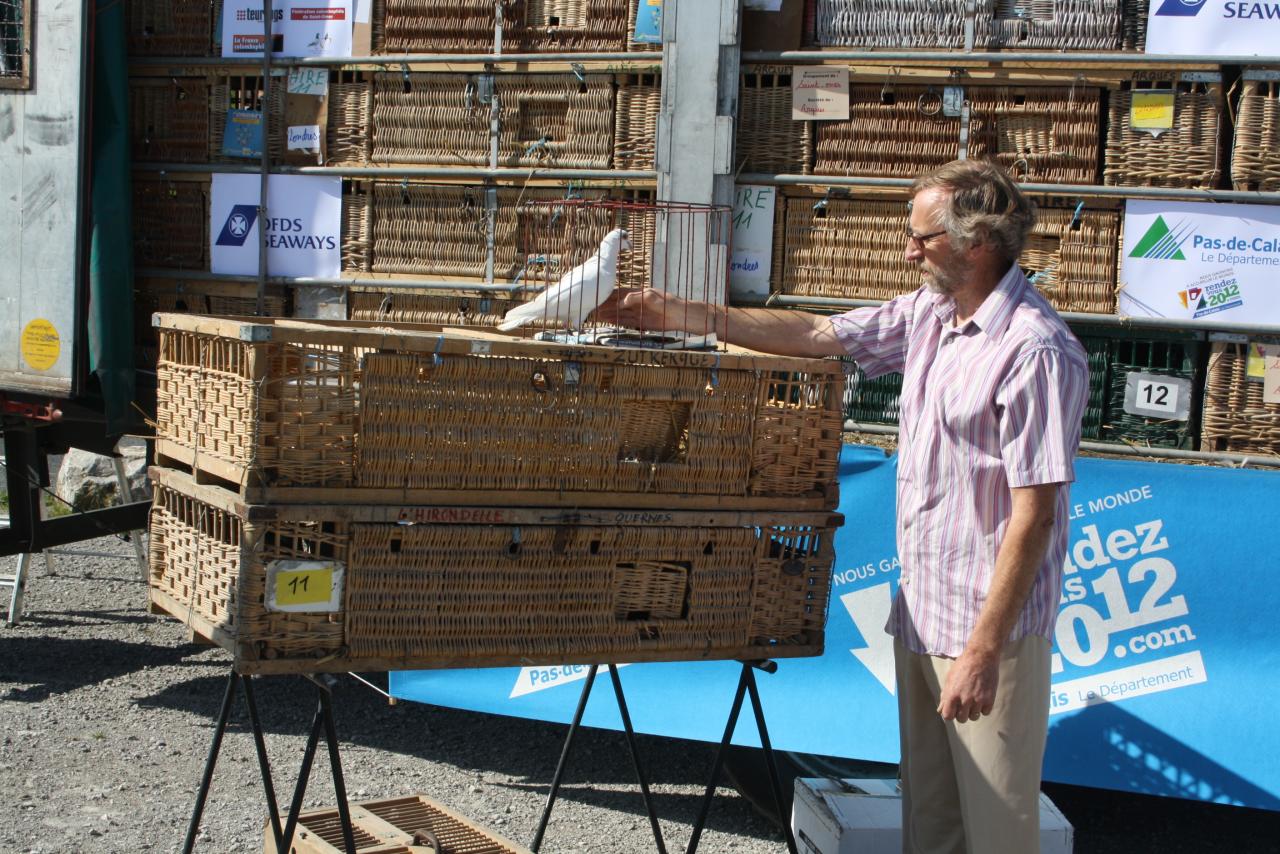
{"x":513,"y":548}
{"x":713,"y":380}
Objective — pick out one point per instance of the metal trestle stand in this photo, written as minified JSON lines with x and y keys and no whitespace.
{"x":568,"y":744}
{"x":746,"y":685}
{"x":323,"y":720}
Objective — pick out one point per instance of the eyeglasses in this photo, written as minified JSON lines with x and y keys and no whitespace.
{"x":921,"y":239}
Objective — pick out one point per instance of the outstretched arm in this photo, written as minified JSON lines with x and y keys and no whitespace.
{"x":782,"y":332}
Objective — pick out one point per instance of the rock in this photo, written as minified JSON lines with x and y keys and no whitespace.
{"x":88,"y":481}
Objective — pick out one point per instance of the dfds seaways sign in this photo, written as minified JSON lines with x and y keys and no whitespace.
{"x":1165,"y":666}
{"x":1197,"y":260}
{"x":304,"y":225}
{"x":1213,"y":27}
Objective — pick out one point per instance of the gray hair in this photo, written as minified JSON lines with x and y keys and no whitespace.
{"x":983,"y":206}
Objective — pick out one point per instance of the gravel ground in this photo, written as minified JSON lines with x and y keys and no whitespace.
{"x":106,"y":715}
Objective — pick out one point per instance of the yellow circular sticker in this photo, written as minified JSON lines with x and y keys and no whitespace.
{"x":40,"y":344}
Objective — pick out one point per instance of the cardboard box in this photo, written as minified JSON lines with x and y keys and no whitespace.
{"x":865,"y":816}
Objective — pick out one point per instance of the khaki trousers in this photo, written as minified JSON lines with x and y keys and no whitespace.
{"x":973,"y":787}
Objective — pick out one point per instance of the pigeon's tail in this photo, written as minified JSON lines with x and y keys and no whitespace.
{"x":520,"y":315}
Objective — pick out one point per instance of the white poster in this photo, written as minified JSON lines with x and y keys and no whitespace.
{"x":752,"y":258}
{"x":1194,"y":260}
{"x":318,"y":28}
{"x":1213,"y":27}
{"x":242,"y":30}
{"x":304,"y":225}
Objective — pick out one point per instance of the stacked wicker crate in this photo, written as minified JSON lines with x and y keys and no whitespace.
{"x":489,"y":500}
{"x":1237,"y":417}
{"x":1010,"y":24}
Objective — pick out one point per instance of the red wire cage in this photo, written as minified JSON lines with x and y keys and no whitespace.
{"x":676,"y":247}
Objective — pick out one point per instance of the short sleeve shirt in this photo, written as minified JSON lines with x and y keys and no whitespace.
{"x":993,"y":404}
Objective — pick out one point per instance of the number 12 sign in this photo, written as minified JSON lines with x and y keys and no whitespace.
{"x":1157,"y":396}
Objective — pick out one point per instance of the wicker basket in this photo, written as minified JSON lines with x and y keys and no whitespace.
{"x":547,"y":120}
{"x":377,"y":414}
{"x":169,"y":119}
{"x":1043,"y":134}
{"x":239,"y":92}
{"x":1133,"y":24}
{"x":1039,"y":134}
{"x":854,"y":249}
{"x":636,"y":129}
{"x":890,"y":23}
{"x":429,"y":118}
{"x":1056,"y":24}
{"x":194,"y":297}
{"x":576,"y":25}
{"x":394,"y":826}
{"x":769,"y":140}
{"x":1188,"y":155}
{"x":1071,"y":257}
{"x":1255,"y":157}
{"x":402,"y":305}
{"x":556,"y":120}
{"x":893,"y":131}
{"x":440,"y":586}
{"x":357,"y":229}
{"x":1236,"y":419}
{"x":171,"y":224}
{"x":846,"y":248}
{"x":349,"y":137}
{"x":171,"y":27}
{"x":438,"y":26}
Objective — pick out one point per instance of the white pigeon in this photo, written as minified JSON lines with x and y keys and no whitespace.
{"x":579,"y":291}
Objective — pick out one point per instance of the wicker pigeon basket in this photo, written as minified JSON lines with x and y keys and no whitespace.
{"x":1236,"y":419}
{"x":1187,"y":155}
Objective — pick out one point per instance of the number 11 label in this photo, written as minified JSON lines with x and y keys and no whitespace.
{"x":1157,"y":396}
{"x":304,"y":586}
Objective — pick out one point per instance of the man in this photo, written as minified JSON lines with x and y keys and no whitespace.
{"x":994,"y":387}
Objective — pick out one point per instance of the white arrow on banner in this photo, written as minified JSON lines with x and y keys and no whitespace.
{"x":869,"y":608}
{"x":533,"y":679}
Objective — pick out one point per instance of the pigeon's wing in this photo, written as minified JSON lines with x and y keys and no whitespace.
{"x":523,"y":313}
{"x":559,"y":301}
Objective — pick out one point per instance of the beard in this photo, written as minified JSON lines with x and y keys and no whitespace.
{"x":942,"y":278}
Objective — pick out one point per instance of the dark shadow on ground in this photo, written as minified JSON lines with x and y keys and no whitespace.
{"x":26,"y":660}
{"x":524,"y":750}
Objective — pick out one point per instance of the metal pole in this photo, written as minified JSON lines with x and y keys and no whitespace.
{"x":476,"y":173}
{"x":1073,"y":190}
{"x":265,"y":163}
{"x":400,"y":59}
{"x":1115,"y":320}
{"x":355,"y":282}
{"x":955,"y":57}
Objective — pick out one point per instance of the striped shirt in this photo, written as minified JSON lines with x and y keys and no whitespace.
{"x":992,"y":404}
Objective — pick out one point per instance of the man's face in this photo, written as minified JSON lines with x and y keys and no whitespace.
{"x":941,"y":266}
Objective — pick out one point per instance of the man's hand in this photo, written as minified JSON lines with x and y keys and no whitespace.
{"x":653,"y":310}
{"x":970,"y":689}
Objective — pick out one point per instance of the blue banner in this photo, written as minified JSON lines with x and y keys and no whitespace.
{"x":1166,"y":653}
